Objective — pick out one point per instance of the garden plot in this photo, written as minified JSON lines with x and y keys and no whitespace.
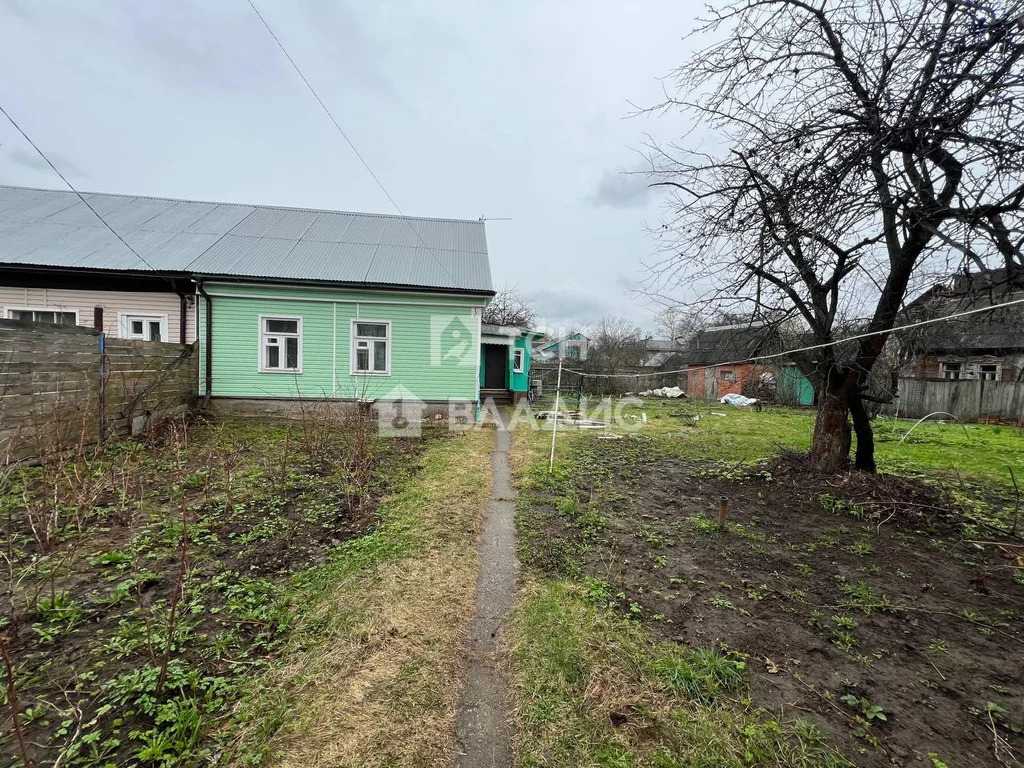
{"x":869,"y":606}
{"x":146,"y":586}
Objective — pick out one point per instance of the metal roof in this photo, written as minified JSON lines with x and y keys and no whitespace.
{"x":730,"y":343}
{"x":53,"y":228}
{"x":1000,"y":328}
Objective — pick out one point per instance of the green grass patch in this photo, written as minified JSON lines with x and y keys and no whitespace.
{"x":386,"y":614}
{"x":593,"y":689}
{"x":978,"y":454}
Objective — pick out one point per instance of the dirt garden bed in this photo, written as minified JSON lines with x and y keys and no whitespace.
{"x":145,"y":586}
{"x":861,"y":602}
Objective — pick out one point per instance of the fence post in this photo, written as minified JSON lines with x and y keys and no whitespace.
{"x":554,"y":429}
{"x":101,"y":344}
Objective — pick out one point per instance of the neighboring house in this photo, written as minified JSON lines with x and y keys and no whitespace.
{"x":59,"y":264}
{"x":284,"y":302}
{"x":718,"y":359}
{"x":658,"y":352}
{"x":504,"y":362}
{"x":573,"y":347}
{"x":985,"y":345}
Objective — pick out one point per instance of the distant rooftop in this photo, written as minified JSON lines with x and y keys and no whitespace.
{"x":1001,"y":328}
{"x":730,"y":343}
{"x":53,"y":228}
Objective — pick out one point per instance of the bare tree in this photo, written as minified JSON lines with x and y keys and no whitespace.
{"x":509,"y":307}
{"x":615,"y":345}
{"x":861,"y":146}
{"x":677,"y":323}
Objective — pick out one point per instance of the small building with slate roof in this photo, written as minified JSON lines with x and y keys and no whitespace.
{"x":719,"y":360}
{"x":986,"y":344}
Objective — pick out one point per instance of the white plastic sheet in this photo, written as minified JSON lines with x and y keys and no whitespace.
{"x":738,"y":400}
{"x":671,"y":392}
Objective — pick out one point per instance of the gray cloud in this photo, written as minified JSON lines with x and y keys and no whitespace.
{"x":562,"y":307}
{"x":621,"y":189}
{"x":31,"y":159}
{"x":16,"y":7}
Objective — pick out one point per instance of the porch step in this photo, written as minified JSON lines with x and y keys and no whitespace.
{"x":498,"y":396}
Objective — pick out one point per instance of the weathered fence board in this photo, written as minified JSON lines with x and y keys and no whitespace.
{"x":967,"y":400}
{"x":62,"y":386}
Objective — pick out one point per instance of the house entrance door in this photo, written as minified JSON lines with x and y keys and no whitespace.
{"x":711,"y":382}
{"x":495,"y":366}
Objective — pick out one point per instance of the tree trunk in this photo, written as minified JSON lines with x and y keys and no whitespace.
{"x":865,"y":457}
{"x":830,"y":446}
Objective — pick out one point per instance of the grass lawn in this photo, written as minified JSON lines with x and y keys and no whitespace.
{"x":239,"y":594}
{"x":830,"y":621}
{"x":978,"y":453}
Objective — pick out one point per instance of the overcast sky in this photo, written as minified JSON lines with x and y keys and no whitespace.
{"x":462,"y":109}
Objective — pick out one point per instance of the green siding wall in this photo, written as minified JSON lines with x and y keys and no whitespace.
{"x":418,"y":369}
{"x":520,"y":382}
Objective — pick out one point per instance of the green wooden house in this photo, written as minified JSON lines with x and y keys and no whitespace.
{"x":388,"y":307}
{"x":284,"y":303}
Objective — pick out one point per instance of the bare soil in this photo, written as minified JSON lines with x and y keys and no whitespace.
{"x":260,"y":508}
{"x":845,"y":593}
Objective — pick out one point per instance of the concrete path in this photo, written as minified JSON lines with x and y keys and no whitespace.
{"x":482,"y":734}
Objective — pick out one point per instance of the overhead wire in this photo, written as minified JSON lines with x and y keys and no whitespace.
{"x":72,"y":188}
{"x":348,"y":141}
{"x":809,"y":348}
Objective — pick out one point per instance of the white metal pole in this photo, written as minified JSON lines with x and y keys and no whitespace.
{"x":554,"y":430}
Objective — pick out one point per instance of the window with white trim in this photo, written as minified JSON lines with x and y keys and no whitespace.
{"x":280,"y":344}
{"x":988,"y":372}
{"x":518,"y":360}
{"x":144,"y":327}
{"x":51,"y":316}
{"x":952,"y":371}
{"x":371,"y":347}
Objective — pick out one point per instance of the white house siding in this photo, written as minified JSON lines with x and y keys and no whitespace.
{"x":113,"y":303}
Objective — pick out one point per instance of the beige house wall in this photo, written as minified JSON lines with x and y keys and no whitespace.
{"x":114,"y":303}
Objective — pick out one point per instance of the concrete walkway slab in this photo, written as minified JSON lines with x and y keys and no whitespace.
{"x":482,"y":729}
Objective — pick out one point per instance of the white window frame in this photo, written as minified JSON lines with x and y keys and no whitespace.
{"x":62,"y":310}
{"x":518,"y":360}
{"x":356,"y":339}
{"x":946,"y":370}
{"x":262,"y":351}
{"x":996,"y":375}
{"x":124,"y":325}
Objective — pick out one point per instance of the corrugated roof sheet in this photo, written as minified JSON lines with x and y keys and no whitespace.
{"x":1000,"y":328}
{"x":53,"y":228}
{"x":730,"y":343}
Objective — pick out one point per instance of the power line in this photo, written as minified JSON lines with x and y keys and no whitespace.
{"x":808,"y":348}
{"x":344,"y":135}
{"x":72,"y":188}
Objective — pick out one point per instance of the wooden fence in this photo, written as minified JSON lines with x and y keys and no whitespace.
{"x":968,"y":400}
{"x":65,"y":386}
